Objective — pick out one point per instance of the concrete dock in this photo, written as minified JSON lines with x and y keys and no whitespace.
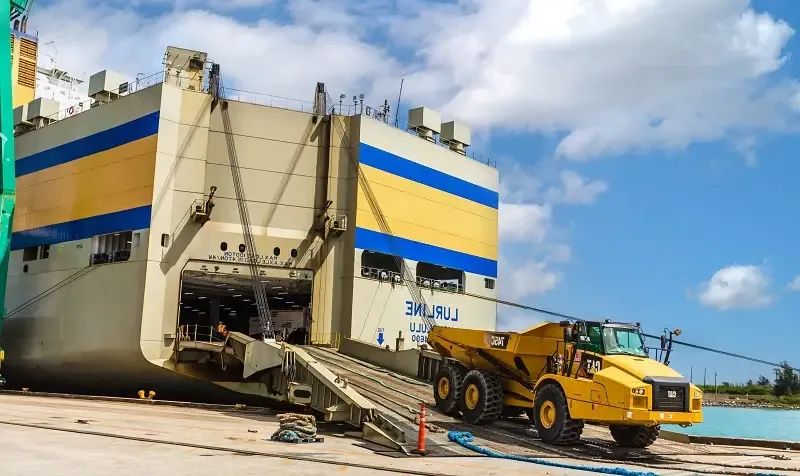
{"x":45,"y":435}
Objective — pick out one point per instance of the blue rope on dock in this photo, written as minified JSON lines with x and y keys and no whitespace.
{"x":465,"y":439}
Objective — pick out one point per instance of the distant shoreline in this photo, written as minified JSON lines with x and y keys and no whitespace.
{"x":749,"y":404}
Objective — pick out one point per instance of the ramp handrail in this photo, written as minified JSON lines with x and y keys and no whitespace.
{"x":199,"y":333}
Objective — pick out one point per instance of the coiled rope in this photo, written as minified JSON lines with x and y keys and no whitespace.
{"x":295,"y":427}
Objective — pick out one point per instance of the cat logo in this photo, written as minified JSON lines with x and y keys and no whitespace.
{"x":593,"y":364}
{"x":498,"y":341}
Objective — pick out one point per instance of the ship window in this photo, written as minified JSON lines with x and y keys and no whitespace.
{"x":30,"y":253}
{"x":380,"y":261}
{"x":440,"y":277}
{"x":112,"y":247}
{"x":44,"y":251}
{"x":488,"y":283}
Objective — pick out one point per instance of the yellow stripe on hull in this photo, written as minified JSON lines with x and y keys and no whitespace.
{"x":86,"y":209}
{"x":413,"y":190}
{"x":425,"y":215}
{"x":116,"y":179}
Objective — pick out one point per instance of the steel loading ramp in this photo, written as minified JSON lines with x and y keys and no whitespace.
{"x":293,"y":374}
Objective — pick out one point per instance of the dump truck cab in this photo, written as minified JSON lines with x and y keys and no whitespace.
{"x":563,"y":374}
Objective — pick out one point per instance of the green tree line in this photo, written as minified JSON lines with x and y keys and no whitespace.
{"x":786,"y":383}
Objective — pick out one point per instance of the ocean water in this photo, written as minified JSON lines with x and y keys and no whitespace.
{"x":746,"y":423}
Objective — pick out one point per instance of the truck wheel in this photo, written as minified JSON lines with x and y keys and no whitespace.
{"x":635,"y":436}
{"x":552,"y":419}
{"x":482,"y":398}
{"x":447,"y":388}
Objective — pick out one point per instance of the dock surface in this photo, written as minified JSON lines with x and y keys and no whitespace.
{"x":42,"y":435}
{"x":77,"y":436}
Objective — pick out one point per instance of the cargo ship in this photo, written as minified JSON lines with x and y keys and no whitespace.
{"x":128,"y":238}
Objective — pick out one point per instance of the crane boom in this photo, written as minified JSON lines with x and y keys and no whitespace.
{"x":262,"y":304}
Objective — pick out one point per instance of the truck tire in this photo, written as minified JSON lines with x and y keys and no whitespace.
{"x":447,"y":388}
{"x":552,"y":419}
{"x":482,"y":397}
{"x":635,"y":436}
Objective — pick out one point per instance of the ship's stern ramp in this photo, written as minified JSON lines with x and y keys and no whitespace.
{"x":288,"y":373}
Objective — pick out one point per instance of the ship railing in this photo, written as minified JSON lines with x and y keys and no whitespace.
{"x":141,"y":82}
{"x":262,"y":99}
{"x":379,"y":114}
{"x":384,"y":114}
{"x":200,"y":333}
{"x":357,"y":108}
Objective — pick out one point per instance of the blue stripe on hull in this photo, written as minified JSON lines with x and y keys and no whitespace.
{"x":396,"y":165}
{"x":133,"y":219}
{"x":136,"y":129}
{"x":413,"y":250}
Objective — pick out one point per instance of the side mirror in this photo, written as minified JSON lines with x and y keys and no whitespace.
{"x":583,"y":338}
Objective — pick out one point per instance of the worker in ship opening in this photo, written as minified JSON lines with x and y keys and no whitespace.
{"x":222,"y":330}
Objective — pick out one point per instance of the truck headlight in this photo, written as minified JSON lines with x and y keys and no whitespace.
{"x":698,"y":394}
{"x":638,"y":391}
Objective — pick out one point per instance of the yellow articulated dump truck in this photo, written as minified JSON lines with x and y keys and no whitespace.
{"x":563,"y":374}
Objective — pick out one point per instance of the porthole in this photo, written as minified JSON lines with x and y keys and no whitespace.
{"x":276,"y":251}
{"x":223,"y":246}
{"x":294,"y":253}
{"x":242,"y":248}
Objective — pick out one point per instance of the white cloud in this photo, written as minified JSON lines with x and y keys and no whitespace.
{"x":617,"y":76}
{"x":519,"y":185}
{"x":261,"y":55}
{"x":737,"y":287}
{"x":575,"y":189}
{"x":516,"y":320}
{"x":532,"y":278}
{"x":520,"y":222}
{"x":794,"y":285}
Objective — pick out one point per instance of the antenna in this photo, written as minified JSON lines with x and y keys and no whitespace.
{"x":397,"y":110}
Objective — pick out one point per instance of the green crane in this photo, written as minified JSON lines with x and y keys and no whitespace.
{"x":10,"y":9}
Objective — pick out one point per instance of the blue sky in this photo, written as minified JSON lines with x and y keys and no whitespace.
{"x":645,"y":148}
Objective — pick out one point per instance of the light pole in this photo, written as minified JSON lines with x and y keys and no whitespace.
{"x":715,"y":386}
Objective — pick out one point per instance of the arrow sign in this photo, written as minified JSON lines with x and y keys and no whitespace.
{"x":380,"y":336}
